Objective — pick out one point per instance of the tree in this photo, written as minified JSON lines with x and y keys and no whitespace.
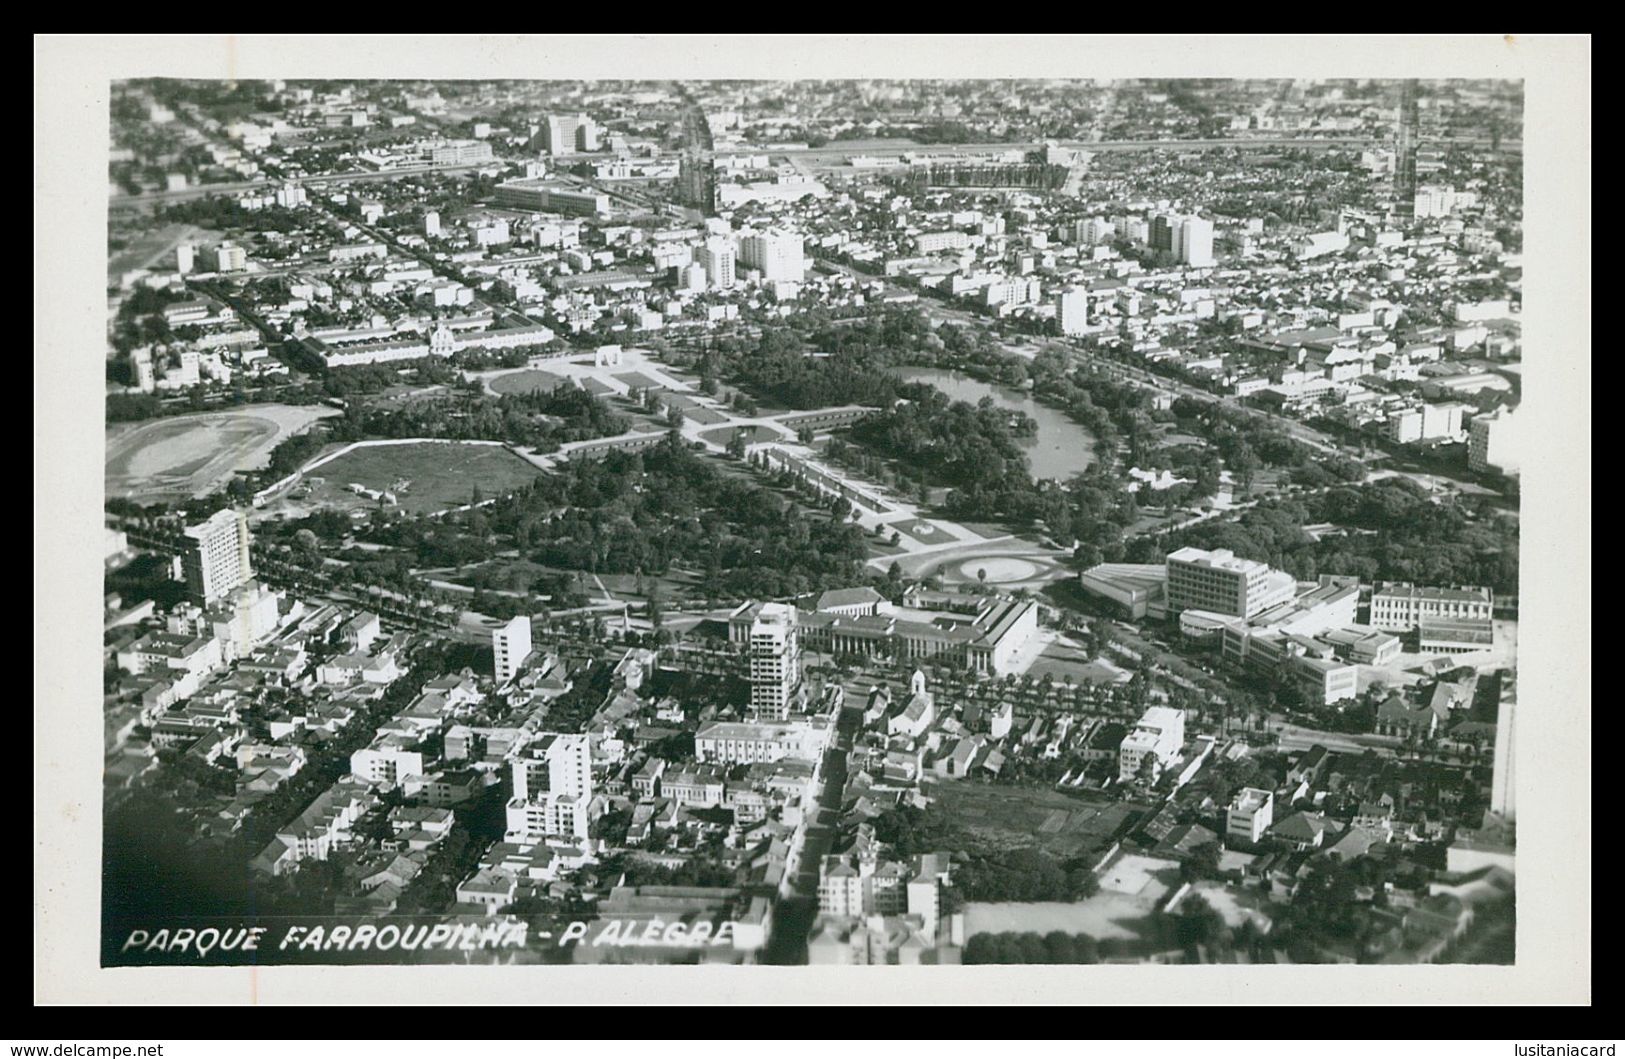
{"x":1199,"y":922}
{"x":1203,"y":863}
{"x":656,"y":611}
{"x":1082,"y":884}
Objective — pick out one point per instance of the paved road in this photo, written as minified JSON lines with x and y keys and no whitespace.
{"x":795,"y":912}
{"x":1297,"y":737}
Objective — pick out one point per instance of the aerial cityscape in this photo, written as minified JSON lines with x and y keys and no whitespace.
{"x":812,"y":522}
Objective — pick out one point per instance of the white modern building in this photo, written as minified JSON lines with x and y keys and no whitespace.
{"x":215,"y":557}
{"x":1250,"y":814}
{"x":1442,"y":618}
{"x":1072,"y":310}
{"x":229,"y":257}
{"x":460,"y":152}
{"x":1219,"y":582}
{"x":1195,"y":241}
{"x":1158,"y":735}
{"x":718,"y":258}
{"x":552,"y":790}
{"x":1492,"y":442}
{"x":735,"y":743}
{"x":511,"y":646}
{"x":776,"y":255}
{"x":775,"y":661}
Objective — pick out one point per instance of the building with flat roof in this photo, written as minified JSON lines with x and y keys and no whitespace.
{"x":215,"y":556}
{"x":1221,"y":582}
{"x":511,"y":646}
{"x":1443,"y":619}
{"x":719,"y":258}
{"x":1072,"y":310}
{"x":1492,"y":443}
{"x":735,"y":743}
{"x":1251,"y":813}
{"x":460,"y":152}
{"x":539,"y":196}
{"x":776,"y":255}
{"x":1157,"y":736}
{"x":1290,"y":639}
{"x":775,"y":661}
{"x":552,"y":789}
{"x":985,"y":634}
{"x":1140,"y":589}
{"x":1363,"y":644}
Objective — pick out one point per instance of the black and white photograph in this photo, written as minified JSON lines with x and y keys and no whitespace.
{"x":1067,"y":524}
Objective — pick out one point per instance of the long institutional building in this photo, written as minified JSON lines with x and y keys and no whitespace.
{"x":1263,"y":620}
{"x":344,"y":347}
{"x":543,"y":197}
{"x":1221,"y":583}
{"x":1443,"y":619}
{"x":985,"y":635}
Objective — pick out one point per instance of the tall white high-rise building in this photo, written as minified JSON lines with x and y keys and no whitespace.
{"x":775,"y":661}
{"x":146,"y":379}
{"x":183,"y":258}
{"x":556,"y":764}
{"x":552,"y":789}
{"x":691,"y":277}
{"x":1072,"y":310}
{"x":1092,"y":230}
{"x":511,"y":645}
{"x":1195,"y":241}
{"x":215,"y":556}
{"x":229,"y":257}
{"x":1503,"y":789}
{"x":561,"y":134}
{"x":1492,"y":442}
{"x":777,"y":255}
{"x":431,"y":223}
{"x":717,"y":255}
{"x":569,"y":133}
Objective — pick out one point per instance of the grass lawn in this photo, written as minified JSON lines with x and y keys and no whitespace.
{"x":529,"y":381}
{"x":922,"y":531}
{"x":754,"y":434}
{"x":439,"y":475}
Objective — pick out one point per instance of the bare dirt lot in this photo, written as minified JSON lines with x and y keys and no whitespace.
{"x":185,"y":456}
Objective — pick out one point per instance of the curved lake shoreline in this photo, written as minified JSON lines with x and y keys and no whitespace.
{"x":1060,"y":449}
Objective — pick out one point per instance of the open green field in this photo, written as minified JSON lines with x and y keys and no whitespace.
{"x":754,"y":434}
{"x":994,"y":817}
{"x":529,"y":381}
{"x":921,"y":530}
{"x":424,"y":476}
